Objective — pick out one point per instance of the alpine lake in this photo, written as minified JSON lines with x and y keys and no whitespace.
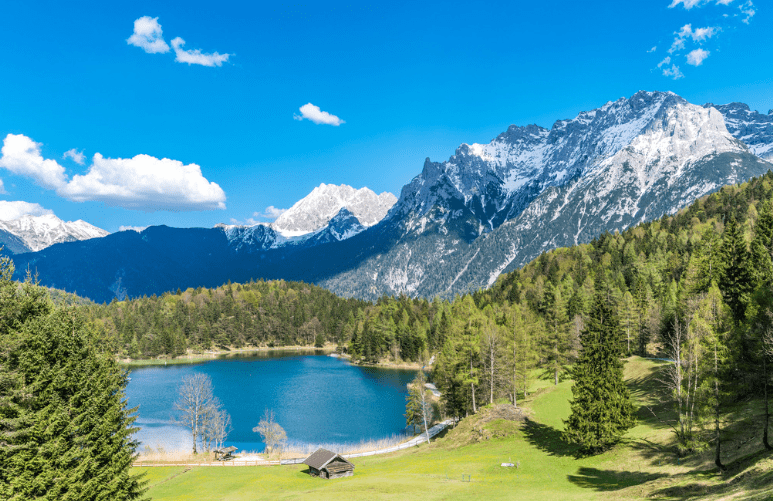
{"x":316,"y":398}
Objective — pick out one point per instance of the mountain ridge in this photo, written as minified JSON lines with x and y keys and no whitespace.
{"x":489,"y":207}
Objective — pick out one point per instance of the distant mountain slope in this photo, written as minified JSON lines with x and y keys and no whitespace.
{"x":329,"y":213}
{"x":631,"y":160}
{"x":326,"y":200}
{"x":459,"y":223}
{"x":751,"y":127}
{"x":39,"y":232}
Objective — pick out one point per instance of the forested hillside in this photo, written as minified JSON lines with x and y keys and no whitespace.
{"x":263,"y":313}
{"x":694,"y":287}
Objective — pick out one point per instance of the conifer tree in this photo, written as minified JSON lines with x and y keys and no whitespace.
{"x":761,"y":247}
{"x":601,"y":408}
{"x":761,"y":252}
{"x":555,"y":342}
{"x":736,"y":281}
{"x":65,"y":431}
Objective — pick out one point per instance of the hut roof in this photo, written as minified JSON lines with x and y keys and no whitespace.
{"x":321,"y":457}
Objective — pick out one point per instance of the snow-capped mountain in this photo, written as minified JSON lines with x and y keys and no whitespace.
{"x":751,"y":127}
{"x":342,"y":226}
{"x":457,"y":225}
{"x":329,"y":213}
{"x":315,"y":210}
{"x":493,"y":207}
{"x":39,"y":232}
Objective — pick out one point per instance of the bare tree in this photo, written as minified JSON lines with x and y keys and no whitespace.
{"x":491,"y":341}
{"x":273,"y":435}
{"x":418,"y":409}
{"x":194,"y":403}
{"x":216,"y":426}
{"x":673,"y":377}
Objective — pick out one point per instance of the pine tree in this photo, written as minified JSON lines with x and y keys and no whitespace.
{"x":65,"y":431}
{"x":761,"y":247}
{"x":762,"y":264}
{"x":736,"y":281}
{"x":601,"y":408}
{"x":555,"y":343}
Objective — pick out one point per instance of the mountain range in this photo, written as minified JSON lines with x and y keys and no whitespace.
{"x":328,"y":214}
{"x":33,"y":233}
{"x":457,"y":225}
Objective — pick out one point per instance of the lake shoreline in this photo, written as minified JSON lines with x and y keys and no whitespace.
{"x":197,"y":357}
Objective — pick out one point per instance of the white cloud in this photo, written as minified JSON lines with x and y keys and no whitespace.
{"x":702,"y":34}
{"x":689,"y":4}
{"x":653,"y":49}
{"x":138,"y":229}
{"x":697,"y":57}
{"x":77,"y":156}
{"x":143,"y":182}
{"x":21,"y":156}
{"x":196,"y":56}
{"x":14,"y":210}
{"x":748,"y":10}
{"x":271,"y":212}
{"x":677,"y":45}
{"x":699,"y":35}
{"x":313,"y":113}
{"x":665,"y":62}
{"x":148,"y":36}
{"x":673,"y":72}
{"x":146,"y":183}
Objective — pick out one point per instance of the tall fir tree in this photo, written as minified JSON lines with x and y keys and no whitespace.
{"x":555,"y":343}
{"x":65,"y":431}
{"x":761,"y":247}
{"x":762,"y":301}
{"x":601,"y":408}
{"x":737,"y":280}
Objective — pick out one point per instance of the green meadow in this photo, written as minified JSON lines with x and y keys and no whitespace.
{"x":465,"y":462}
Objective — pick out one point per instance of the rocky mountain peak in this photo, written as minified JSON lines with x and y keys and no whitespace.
{"x":751,"y":127}
{"x":326,"y":200}
{"x":39,"y":232}
{"x":487,"y":184}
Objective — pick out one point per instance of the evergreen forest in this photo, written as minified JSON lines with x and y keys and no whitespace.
{"x":693,"y":287}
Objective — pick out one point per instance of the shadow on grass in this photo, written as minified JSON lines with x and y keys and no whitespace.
{"x":608,"y":480}
{"x":548,"y":439}
{"x":743,"y":475}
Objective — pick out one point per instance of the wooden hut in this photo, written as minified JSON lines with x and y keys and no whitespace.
{"x":224,"y":454}
{"x":326,"y":464}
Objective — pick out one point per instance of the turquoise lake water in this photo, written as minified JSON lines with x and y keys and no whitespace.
{"x":315,"y":398}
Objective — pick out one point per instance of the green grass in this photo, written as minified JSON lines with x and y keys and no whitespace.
{"x":643,"y":466}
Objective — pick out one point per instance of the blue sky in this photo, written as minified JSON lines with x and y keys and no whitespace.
{"x":408,"y":80}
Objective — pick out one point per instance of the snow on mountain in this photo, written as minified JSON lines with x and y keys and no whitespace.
{"x":39,"y":232}
{"x":252,"y":238}
{"x":492,"y":183}
{"x":751,"y":127}
{"x":326,"y":200}
{"x":329,"y":213}
{"x":494,"y":207}
{"x":342,"y":226}
{"x":488,"y":209}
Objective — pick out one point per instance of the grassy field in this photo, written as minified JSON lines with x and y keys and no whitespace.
{"x":465,"y":463}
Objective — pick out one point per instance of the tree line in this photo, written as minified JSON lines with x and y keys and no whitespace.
{"x":693,"y":287}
